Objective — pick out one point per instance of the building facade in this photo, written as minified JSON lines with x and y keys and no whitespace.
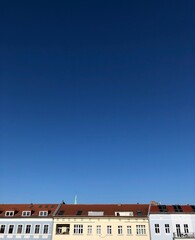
{"x":95,"y":222}
{"x":26,"y":221}
{"x":172,"y":222}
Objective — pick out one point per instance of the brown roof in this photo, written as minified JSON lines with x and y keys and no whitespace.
{"x":139,"y":210}
{"x":33,"y":208}
{"x":172,"y":209}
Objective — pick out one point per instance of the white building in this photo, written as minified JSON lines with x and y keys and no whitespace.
{"x":172,"y":222}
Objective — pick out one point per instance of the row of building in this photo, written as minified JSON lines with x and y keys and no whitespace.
{"x":97,"y":221}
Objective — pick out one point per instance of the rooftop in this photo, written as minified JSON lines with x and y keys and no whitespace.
{"x":103,"y":210}
{"x":27,"y":210}
{"x":172,"y":209}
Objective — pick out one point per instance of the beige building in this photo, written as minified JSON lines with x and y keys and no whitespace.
{"x":102,"y":221}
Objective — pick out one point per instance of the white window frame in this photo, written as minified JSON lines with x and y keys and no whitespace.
{"x":157,"y":228}
{"x":99,"y":230}
{"x":129,"y":230}
{"x":178,"y":229}
{"x":26,"y":228}
{"x":9,"y":213}
{"x":186,"y":228}
{"x":78,"y":228}
{"x":37,"y":227}
{"x":43,"y":213}
{"x":109,"y":230}
{"x":4,"y":228}
{"x":89,"y":229}
{"x":167,"y":228}
{"x":12,"y":228}
{"x":26,"y":213}
{"x":45,"y":227}
{"x":18,"y":228}
{"x":120,"y":230}
{"x":141,"y":229}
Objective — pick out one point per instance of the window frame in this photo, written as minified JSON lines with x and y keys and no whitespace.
{"x":178,"y":229}
{"x":26,"y":213}
{"x":109,"y":230}
{"x":21,"y":225}
{"x":78,"y":229}
{"x":9,"y":228}
{"x":186,"y":228}
{"x":129,"y":230}
{"x":9,"y":213}
{"x":37,"y":227}
{"x":29,"y":229}
{"x":120,"y":230}
{"x":98,"y":229}
{"x":4,"y":228}
{"x":141,"y":229}
{"x":167,"y":228}
{"x":43,"y":213}
{"x":89,"y":230}
{"x":45,"y":227}
{"x":157,"y":228}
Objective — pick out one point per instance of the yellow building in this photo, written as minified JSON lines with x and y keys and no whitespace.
{"x":101,"y":221}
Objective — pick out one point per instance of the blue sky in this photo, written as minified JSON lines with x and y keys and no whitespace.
{"x":97,"y":98}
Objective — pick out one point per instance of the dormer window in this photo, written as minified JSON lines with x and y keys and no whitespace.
{"x":26,"y":213}
{"x":9,"y":213}
{"x":95,"y":213}
{"x":123,"y":214}
{"x":177,"y":208}
{"x":43,"y":213}
{"x":139,"y":213}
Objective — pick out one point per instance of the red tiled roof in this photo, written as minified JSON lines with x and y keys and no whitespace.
{"x":34,"y":208}
{"x":170,"y":209}
{"x":108,"y":209}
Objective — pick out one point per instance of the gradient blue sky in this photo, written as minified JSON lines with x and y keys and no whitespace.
{"x":97,"y":98}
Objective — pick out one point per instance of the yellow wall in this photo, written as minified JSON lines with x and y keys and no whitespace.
{"x":103,"y":222}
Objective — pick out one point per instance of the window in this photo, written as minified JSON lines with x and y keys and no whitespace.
{"x":123,"y":214}
{"x":11,"y":229}
{"x":162,"y":208}
{"x":26,"y":213}
{"x":2,"y":229}
{"x":129,"y":232}
{"x":37,"y":229}
{"x":28,"y":228}
{"x":95,"y":213}
{"x":99,"y":231}
{"x":62,"y":228}
{"x":61,"y":213}
{"x":186,"y":228}
{"x":193,"y":208}
{"x":167,"y":228}
{"x":140,"y":229}
{"x":177,"y":208}
{"x":43,"y":213}
{"x":139,"y":213}
{"x":59,"y":229}
{"x":109,"y":230}
{"x":19,"y":230}
{"x":157,"y":229}
{"x":78,"y":229}
{"x":45,"y":229}
{"x":9,"y":213}
{"x":79,"y":212}
{"x":178,"y":230}
{"x":89,"y":229}
{"x":120,"y":230}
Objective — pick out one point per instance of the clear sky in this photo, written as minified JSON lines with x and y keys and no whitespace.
{"x":97,"y":98}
